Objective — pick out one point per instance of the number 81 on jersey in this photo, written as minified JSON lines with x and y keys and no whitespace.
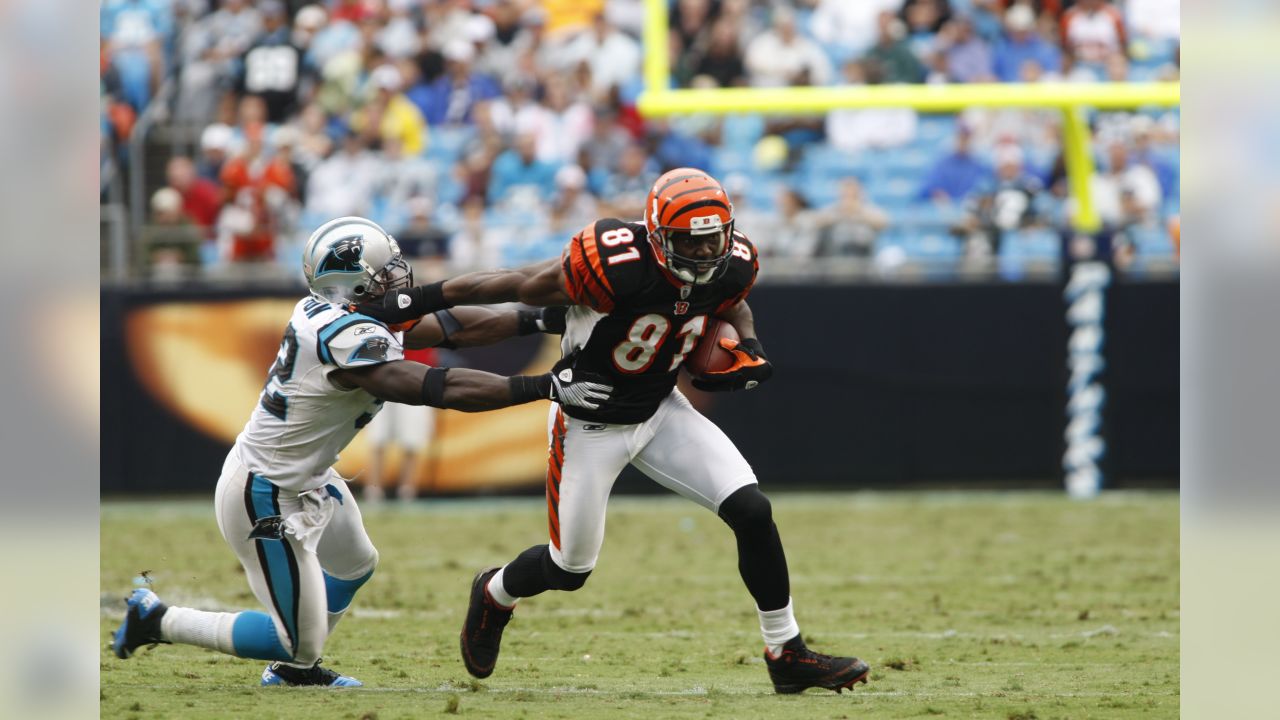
{"x":635,"y":354}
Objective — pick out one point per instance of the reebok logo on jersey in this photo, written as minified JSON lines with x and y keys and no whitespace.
{"x":594,"y":428}
{"x":365,"y":330}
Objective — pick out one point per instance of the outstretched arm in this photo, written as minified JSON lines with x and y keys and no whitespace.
{"x":474,"y":326}
{"x":411,"y":383}
{"x":537,"y":284}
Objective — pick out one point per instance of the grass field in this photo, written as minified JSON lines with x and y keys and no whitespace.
{"x":1009,"y":606}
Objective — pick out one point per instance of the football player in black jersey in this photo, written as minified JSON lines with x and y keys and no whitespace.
{"x":642,"y":295}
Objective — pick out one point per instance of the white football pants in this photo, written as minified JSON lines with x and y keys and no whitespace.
{"x":678,"y":448}
{"x":309,"y":563}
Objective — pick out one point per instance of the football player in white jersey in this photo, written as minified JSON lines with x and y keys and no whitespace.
{"x":290,"y":518}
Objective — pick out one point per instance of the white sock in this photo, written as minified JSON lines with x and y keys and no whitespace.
{"x":777,"y":627}
{"x":198,"y":627}
{"x":499,"y":593}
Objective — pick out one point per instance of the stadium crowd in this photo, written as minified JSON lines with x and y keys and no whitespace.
{"x":486,"y":132}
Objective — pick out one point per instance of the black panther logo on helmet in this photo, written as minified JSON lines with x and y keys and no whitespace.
{"x":343,"y":257}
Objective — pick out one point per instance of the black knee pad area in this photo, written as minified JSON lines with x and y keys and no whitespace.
{"x":746,"y":509}
{"x":559,"y":578}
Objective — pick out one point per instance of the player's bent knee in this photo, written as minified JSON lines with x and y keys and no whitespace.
{"x":747,"y":509}
{"x":559,"y":578}
{"x":339,"y":591}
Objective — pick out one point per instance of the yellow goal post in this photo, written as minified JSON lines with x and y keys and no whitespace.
{"x":658,"y":99}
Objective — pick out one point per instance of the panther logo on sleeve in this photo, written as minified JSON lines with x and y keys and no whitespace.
{"x":343,"y":257}
{"x":372,"y":350}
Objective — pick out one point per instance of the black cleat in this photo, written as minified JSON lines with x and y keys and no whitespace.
{"x":278,"y":674}
{"x":141,"y":625}
{"x":797,"y":668}
{"x":482,"y":631}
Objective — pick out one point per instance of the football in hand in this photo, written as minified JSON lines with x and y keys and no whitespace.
{"x":707,"y":355}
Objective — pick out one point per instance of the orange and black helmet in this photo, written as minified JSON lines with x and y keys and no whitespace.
{"x":688,"y":202}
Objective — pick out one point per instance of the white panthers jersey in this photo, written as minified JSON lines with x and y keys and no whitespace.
{"x":303,"y":420}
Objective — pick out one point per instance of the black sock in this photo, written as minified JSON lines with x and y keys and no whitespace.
{"x":523,"y":577}
{"x":761,"y":560}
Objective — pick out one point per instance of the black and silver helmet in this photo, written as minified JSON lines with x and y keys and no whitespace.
{"x":352,"y":260}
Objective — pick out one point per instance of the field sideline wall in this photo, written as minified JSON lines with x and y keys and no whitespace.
{"x":876,"y":386}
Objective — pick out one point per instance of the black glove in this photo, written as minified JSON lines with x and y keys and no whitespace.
{"x":550,"y":320}
{"x":400,"y":306}
{"x":750,"y":368}
{"x":575,"y":387}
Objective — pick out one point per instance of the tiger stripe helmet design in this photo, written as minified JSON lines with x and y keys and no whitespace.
{"x":688,"y":201}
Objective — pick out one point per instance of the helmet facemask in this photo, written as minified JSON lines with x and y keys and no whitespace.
{"x":693,"y":270}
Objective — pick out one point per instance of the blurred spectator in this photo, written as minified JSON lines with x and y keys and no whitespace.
{"x":1021,"y":44}
{"x":1125,"y":194}
{"x":1138,"y":186}
{"x":1008,"y":205}
{"x":722,"y":59}
{"x":1093,"y":30}
{"x":1154,"y":21}
{"x":512,"y":35}
{"x":1144,"y":153}
{"x":211,"y":48}
{"x":352,"y":11}
{"x":782,"y":56}
{"x":260,"y":193}
{"x":565,"y":17}
{"x":420,"y":237}
{"x":389,"y":115}
{"x":573,"y":205}
{"x":956,"y":175}
{"x":201,"y":198}
{"x":520,"y":168}
{"x":449,"y":99}
{"x":314,"y":141}
{"x":272,"y":68}
{"x":690,"y":20}
{"x":565,"y":124}
{"x":614,"y":58}
{"x":476,"y":245}
{"x":793,"y":231}
{"x":216,"y":144}
{"x":328,"y":37}
{"x":307,"y":23}
{"x":924,"y":18}
{"x":851,"y":225}
{"x":968,"y":57}
{"x":446,"y":21}
{"x":133,"y":32}
{"x":625,"y":190}
{"x":892,"y":53}
{"x":404,"y":176}
{"x":852,"y":27}
{"x":170,"y":244}
{"x":400,"y":38}
{"x":854,"y":130}
{"x":344,"y":183}
{"x":603,"y":151}
{"x":516,"y":111}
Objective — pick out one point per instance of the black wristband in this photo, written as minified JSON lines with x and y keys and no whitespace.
{"x":527,"y":388}
{"x":432,"y":295}
{"x":448,"y":325}
{"x":527,"y":322}
{"x":433,"y":387}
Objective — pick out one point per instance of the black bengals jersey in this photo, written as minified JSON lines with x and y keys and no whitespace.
{"x":635,"y":322}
